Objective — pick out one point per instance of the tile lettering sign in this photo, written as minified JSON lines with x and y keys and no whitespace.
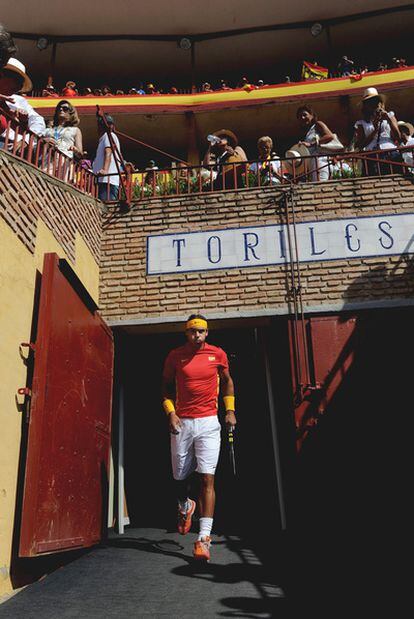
{"x":335,"y":239}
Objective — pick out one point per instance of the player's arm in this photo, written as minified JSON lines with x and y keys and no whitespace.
{"x":168,"y":396}
{"x":227,"y":390}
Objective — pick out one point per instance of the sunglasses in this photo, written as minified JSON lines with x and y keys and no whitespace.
{"x":65,"y":108}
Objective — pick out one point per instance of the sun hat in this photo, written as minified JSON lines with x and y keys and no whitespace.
{"x":370,"y":93}
{"x":409,"y":126}
{"x":231,"y":137}
{"x":18,"y":67}
{"x":295,"y":162}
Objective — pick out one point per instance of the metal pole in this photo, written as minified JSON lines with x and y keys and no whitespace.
{"x":121,"y":490}
{"x":52,"y":65}
{"x":193,"y":84}
{"x":275,"y":440}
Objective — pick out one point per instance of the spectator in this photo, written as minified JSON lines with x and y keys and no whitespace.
{"x":119,"y":92}
{"x":69,"y":90}
{"x":345,"y":66}
{"x":65,"y":134}
{"x":106,"y":91}
{"x":151,"y":90}
{"x":206,"y":87}
{"x":287,"y":79}
{"x":260,"y":84}
{"x":407,"y":139}
{"x":105,"y":162}
{"x":87,"y":92}
{"x":173,"y":90}
{"x":50,"y":91}
{"x":269,"y":167}
{"x":151,"y":177}
{"x":97,"y":92}
{"x":14,"y":80}
{"x":243,"y":82}
{"x":316,"y":133}
{"x":224,"y":85}
{"x":132,"y":91}
{"x":382,"y":67}
{"x":140,"y":90}
{"x":224,"y":150}
{"x":7,"y":46}
{"x":377,"y":130}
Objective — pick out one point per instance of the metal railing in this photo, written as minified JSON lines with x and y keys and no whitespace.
{"x":38,"y":152}
{"x":141,"y":184}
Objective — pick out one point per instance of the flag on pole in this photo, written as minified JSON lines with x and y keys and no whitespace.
{"x":312,"y":71}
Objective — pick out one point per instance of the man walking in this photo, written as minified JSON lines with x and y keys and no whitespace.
{"x":104,"y":163}
{"x":192,"y":377}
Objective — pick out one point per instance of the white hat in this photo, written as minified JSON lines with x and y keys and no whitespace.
{"x":18,"y":67}
{"x":369,"y":93}
{"x":295,"y":158}
{"x":409,"y":126}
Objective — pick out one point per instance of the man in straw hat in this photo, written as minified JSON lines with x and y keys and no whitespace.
{"x":223,"y":150}
{"x":377,"y":130}
{"x":14,"y":80}
{"x":191,"y":377}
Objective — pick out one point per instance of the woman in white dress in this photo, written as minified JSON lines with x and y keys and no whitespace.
{"x":65,"y":136}
{"x":377,"y":130}
{"x":316,"y":133}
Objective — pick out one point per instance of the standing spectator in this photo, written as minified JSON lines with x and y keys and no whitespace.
{"x":345,"y":66}
{"x":316,"y":133}
{"x":105,"y":163}
{"x":14,"y":80}
{"x":223,"y":152}
{"x":377,"y":130}
{"x":69,"y":90}
{"x":7,"y":46}
{"x":64,"y":133}
{"x":268,"y":167}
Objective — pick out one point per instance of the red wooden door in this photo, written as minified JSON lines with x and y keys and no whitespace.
{"x":65,"y":487}
{"x":320,"y":366}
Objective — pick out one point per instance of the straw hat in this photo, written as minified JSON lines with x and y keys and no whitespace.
{"x":231,"y":137}
{"x":409,"y":126}
{"x":18,"y":67}
{"x":295,"y":162}
{"x":369,"y":93}
{"x":70,"y":84}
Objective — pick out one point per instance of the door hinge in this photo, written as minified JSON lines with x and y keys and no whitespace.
{"x":25,"y":391}
{"x":28,"y":345}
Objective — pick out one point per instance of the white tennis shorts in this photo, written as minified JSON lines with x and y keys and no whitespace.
{"x":196,"y":447}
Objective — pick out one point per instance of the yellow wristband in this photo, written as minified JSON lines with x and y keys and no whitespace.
{"x":229,"y":402}
{"x":168,"y":406}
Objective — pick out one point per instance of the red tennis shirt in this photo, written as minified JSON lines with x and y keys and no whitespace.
{"x":196,"y":376}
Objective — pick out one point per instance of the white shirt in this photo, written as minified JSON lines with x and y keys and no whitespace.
{"x":263,"y":166}
{"x":65,"y":138}
{"x":35,"y":121}
{"x":408,"y":154}
{"x":98,"y":162}
{"x":381,"y":140}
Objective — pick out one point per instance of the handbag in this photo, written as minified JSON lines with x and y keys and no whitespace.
{"x":332,"y":146}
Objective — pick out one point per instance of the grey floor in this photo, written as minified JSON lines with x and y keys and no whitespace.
{"x":151,"y":573}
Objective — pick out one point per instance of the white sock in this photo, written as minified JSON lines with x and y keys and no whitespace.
{"x":184,"y":506}
{"x":206,"y":525}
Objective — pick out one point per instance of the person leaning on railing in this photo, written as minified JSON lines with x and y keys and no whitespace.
{"x":66,"y":137}
{"x":377,"y":130}
{"x":104,"y":163}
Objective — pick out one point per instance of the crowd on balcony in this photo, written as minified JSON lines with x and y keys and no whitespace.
{"x":312,"y":71}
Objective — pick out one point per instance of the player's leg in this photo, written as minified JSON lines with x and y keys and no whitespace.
{"x":183,"y":465}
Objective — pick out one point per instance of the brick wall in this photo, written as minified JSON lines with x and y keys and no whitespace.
{"x":27,"y":194}
{"x":127,"y":293}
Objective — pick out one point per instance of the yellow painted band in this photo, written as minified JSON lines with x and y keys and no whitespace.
{"x":196,"y":323}
{"x":168,"y":406}
{"x":229,"y":402}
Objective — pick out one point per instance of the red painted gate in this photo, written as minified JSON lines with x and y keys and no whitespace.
{"x":65,"y":488}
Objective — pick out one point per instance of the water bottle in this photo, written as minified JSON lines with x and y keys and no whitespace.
{"x":213,"y":139}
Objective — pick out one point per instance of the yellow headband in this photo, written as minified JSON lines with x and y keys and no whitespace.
{"x":196,"y":323}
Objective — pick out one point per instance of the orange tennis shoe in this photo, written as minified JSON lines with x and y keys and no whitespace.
{"x":184,"y":518}
{"x":201,"y":550}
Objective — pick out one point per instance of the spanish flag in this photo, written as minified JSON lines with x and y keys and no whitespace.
{"x":313,"y":71}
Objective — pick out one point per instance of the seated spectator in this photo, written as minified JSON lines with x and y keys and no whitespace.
{"x":140,"y":90}
{"x":97,"y":92}
{"x":243,"y":82}
{"x":14,"y":80}
{"x":260,"y":84}
{"x":64,"y":133}
{"x":151,"y":90}
{"x":49,"y":91}
{"x":87,"y":92}
{"x":173,"y":90}
{"x":132,"y":91}
{"x":287,"y":79}
{"x":316,"y":133}
{"x":221,"y":153}
{"x":119,"y":92}
{"x":105,"y":162}
{"x":269,"y":167}
{"x":151,"y":176}
{"x":106,"y":91}
{"x":69,"y":90}
{"x":382,"y":67}
{"x":224,"y":85}
{"x":206,"y":87}
{"x":345,"y":66}
{"x":377,"y":130}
